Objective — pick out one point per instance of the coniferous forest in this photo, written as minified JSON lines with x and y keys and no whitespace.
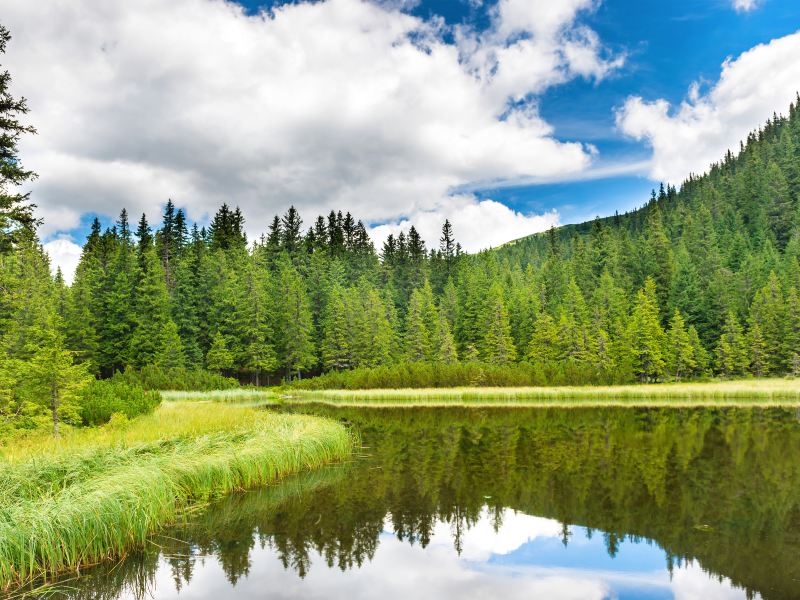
{"x":701,"y":281}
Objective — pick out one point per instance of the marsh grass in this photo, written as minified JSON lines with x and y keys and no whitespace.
{"x":752,"y":392}
{"x":237,"y":395}
{"x":95,"y":494}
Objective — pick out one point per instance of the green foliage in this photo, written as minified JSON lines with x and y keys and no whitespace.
{"x":219,"y":357}
{"x":465,"y":373}
{"x":153,"y":377}
{"x":102,"y":399}
{"x":134,"y":479}
{"x":16,"y":213}
{"x":646,"y":336}
{"x":580,"y":301}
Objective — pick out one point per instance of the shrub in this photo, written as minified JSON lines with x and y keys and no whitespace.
{"x":102,"y":399}
{"x":472,"y":374}
{"x":153,"y":377}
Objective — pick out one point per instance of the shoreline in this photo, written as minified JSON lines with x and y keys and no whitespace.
{"x":95,"y":495}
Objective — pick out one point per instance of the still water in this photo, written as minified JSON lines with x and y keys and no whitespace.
{"x":503,"y":503}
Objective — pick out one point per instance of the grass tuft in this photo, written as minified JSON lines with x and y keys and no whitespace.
{"x":95,"y":494}
{"x":751,"y":392}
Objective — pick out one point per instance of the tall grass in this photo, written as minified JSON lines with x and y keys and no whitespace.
{"x":237,"y":395}
{"x":760,"y":392}
{"x":95,"y":494}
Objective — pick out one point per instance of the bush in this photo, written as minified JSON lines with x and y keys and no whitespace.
{"x":102,"y":399}
{"x":153,"y":377}
{"x":473,"y":374}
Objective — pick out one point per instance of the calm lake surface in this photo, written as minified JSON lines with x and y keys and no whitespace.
{"x":503,"y":503}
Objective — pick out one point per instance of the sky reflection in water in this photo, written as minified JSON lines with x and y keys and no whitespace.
{"x":511,"y":504}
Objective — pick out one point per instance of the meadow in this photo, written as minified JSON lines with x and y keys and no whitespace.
{"x":750,"y":392}
{"x":97,"y":493}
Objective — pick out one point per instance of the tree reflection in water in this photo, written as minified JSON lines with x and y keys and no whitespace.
{"x":719,"y":487}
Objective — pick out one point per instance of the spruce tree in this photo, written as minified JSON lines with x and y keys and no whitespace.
{"x":679,"y":348}
{"x":757,"y":351}
{"x":336,"y":354}
{"x":444,"y":345}
{"x":151,"y":305}
{"x":732,"y":356}
{"x":417,"y":334}
{"x":543,"y":348}
{"x":16,"y":211}
{"x":295,"y":323}
{"x":645,"y":335}
{"x":497,"y":345}
{"x":219,"y":358}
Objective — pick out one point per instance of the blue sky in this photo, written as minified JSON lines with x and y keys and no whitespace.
{"x":506,"y":116}
{"x":670,"y":45}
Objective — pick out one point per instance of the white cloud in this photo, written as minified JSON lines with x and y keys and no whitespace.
{"x":477,"y":224}
{"x":64,"y":254}
{"x":763,"y":80}
{"x":745,"y":5}
{"x":334,"y":104}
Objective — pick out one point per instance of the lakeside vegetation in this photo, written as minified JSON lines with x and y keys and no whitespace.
{"x":702,"y":281}
{"x":715,"y":487}
{"x":753,"y":392}
{"x":96,"y":493}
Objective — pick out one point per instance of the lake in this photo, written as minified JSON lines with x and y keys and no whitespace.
{"x":508,"y":503}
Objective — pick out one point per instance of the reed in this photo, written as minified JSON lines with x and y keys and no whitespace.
{"x":238,"y":395}
{"x":96,"y":494}
{"x":751,"y":392}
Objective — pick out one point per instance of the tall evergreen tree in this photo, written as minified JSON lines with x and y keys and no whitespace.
{"x":646,"y":336}
{"x":15,"y":209}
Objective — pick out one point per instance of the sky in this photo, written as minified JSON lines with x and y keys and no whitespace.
{"x":505,"y":116}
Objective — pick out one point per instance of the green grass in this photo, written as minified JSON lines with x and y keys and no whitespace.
{"x":97,"y":493}
{"x":237,"y":395}
{"x":751,"y":392}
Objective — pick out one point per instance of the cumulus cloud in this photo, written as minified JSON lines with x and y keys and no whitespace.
{"x":335,"y":104}
{"x":745,"y":5}
{"x":687,"y":139}
{"x":64,"y":254}
{"x":477,"y":224}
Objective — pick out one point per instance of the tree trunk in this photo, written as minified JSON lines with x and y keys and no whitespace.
{"x":258,"y":380}
{"x":54,"y":407}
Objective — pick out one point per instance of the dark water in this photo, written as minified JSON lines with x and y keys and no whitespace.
{"x":498,"y":503}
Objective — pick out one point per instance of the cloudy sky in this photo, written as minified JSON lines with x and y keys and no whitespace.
{"x":506,"y":116}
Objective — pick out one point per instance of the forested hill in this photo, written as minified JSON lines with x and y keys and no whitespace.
{"x":700,"y":281}
{"x":748,"y":197}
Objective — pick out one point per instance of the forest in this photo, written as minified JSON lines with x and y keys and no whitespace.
{"x":701,"y":281}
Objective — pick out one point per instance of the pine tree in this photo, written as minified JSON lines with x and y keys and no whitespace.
{"x":497,"y":345}
{"x":679,"y":349}
{"x":417,"y":337}
{"x":294,"y":322}
{"x":51,"y":375}
{"x":336,"y":333}
{"x":171,"y":354}
{"x":151,"y":305}
{"x":791,"y":345}
{"x":259,"y":345}
{"x":757,"y":350}
{"x":15,"y":210}
{"x":768,"y":312}
{"x":732,"y":356}
{"x":646,"y":336}
{"x":219,"y":358}
{"x":373,"y":334}
{"x":444,"y":345}
{"x":543,"y":348}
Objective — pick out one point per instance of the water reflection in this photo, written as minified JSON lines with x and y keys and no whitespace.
{"x":505,"y":503}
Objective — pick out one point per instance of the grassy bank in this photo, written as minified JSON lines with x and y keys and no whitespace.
{"x":751,"y":392}
{"x":238,"y":395}
{"x":96,"y":493}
